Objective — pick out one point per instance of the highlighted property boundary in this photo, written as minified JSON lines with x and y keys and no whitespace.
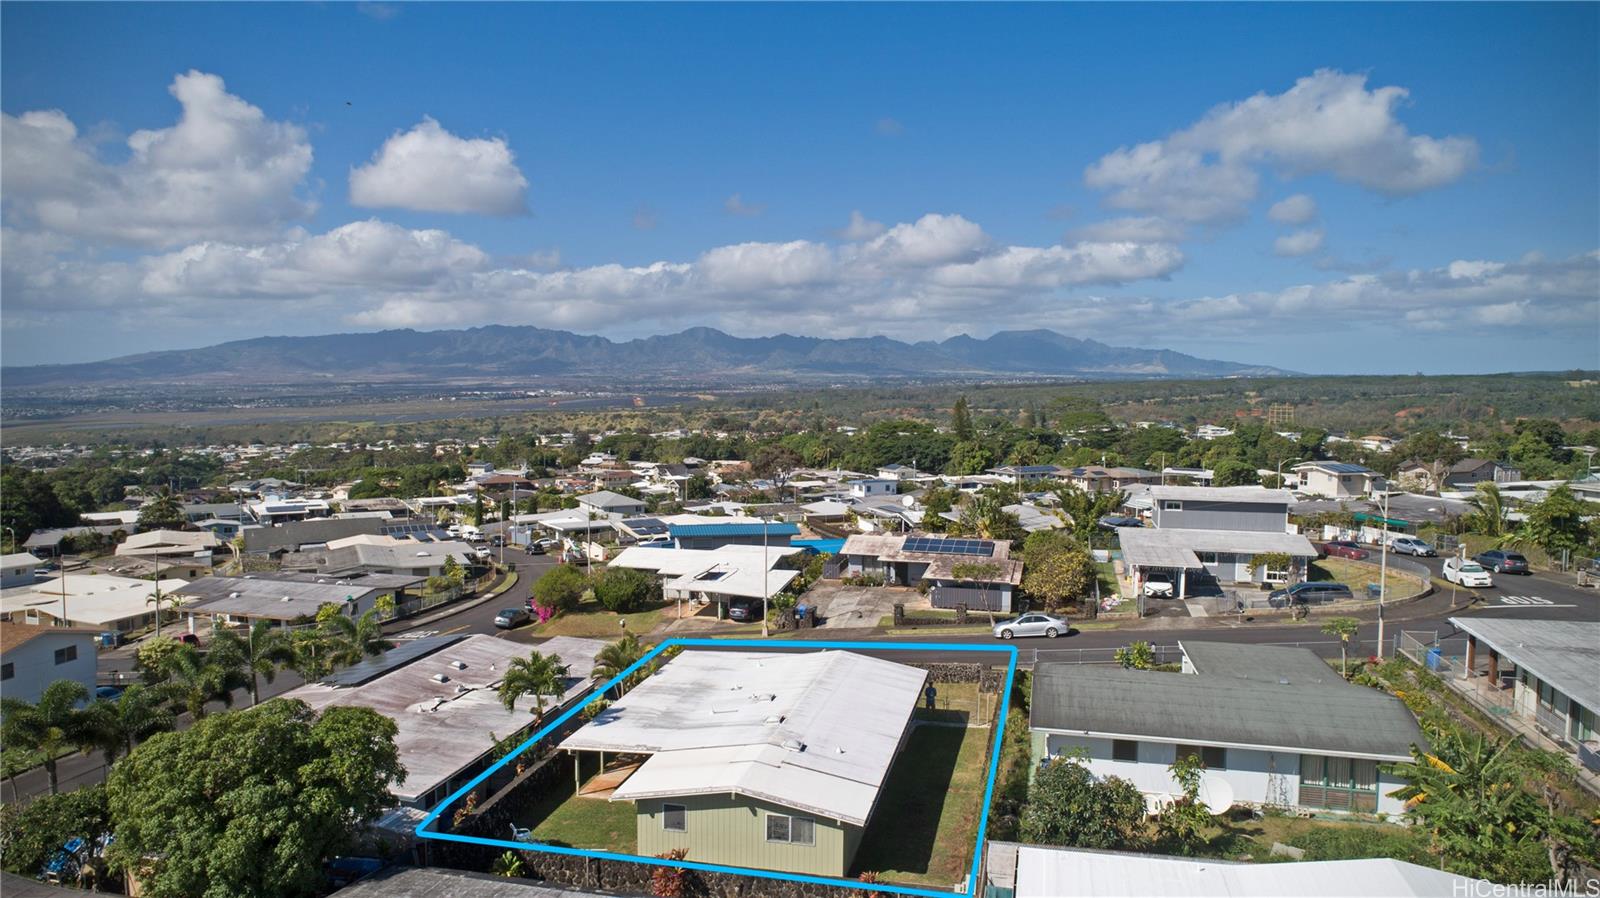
{"x":599,"y":691}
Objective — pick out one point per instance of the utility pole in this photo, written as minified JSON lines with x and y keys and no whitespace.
{"x":765,"y":570}
{"x":1383,"y":570}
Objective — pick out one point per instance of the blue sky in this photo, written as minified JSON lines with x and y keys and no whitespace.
{"x":180,"y":175}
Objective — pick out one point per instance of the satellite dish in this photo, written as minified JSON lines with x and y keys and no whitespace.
{"x":1216,"y":794}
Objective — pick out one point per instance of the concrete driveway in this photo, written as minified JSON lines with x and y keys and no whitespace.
{"x":853,"y":606}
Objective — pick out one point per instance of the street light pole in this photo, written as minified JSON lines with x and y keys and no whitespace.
{"x":765,"y":569}
{"x":1383,"y":570}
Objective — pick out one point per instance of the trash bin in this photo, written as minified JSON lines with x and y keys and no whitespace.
{"x":1435,"y":658}
{"x":1374,"y":590}
{"x":110,"y":639}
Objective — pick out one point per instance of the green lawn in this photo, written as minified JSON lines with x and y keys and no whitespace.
{"x":931,"y":801}
{"x":1322,"y":839}
{"x":956,"y":703}
{"x":1357,"y":574}
{"x":593,"y":620}
{"x":560,"y":818}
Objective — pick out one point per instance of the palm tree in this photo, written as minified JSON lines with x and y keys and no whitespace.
{"x":1490,"y":516}
{"x":352,"y":639}
{"x":618,"y":657}
{"x":536,"y":675}
{"x":265,"y":648}
{"x":236,"y":545}
{"x":197,"y":679}
{"x":156,"y":598}
{"x":51,"y":727}
{"x":164,"y":510}
{"x":1344,"y":628}
{"x":135,"y":715}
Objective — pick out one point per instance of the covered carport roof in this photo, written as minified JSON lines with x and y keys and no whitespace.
{"x":1143,"y":555}
{"x":1177,"y":547}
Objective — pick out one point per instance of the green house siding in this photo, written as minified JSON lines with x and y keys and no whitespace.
{"x":729,"y":829}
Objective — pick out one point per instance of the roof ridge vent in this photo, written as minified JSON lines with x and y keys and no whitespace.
{"x":794,"y":745}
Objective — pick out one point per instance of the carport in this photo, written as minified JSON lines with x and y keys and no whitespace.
{"x":1143,"y":556}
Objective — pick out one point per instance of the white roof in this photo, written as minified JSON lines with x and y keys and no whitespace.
{"x":1069,"y":873}
{"x":1176,"y":547}
{"x":97,"y":599}
{"x":1222,"y":494}
{"x":678,"y":562}
{"x":814,"y":731}
{"x":20,"y":559}
{"x":746,"y":578}
{"x":442,"y":730}
{"x":826,"y":508}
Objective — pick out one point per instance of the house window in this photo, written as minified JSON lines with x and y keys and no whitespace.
{"x":793,"y":830}
{"x":1124,"y":750}
{"x":7,"y":670}
{"x":1208,"y":558}
{"x":70,"y":653}
{"x":1172,"y":505}
{"x":1338,"y":784}
{"x":1214,"y":757}
{"x":674,"y":818}
{"x":1276,"y":575}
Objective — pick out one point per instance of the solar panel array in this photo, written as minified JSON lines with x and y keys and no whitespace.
{"x":1342,"y":467}
{"x":645,"y":526}
{"x":1036,"y":469}
{"x":931,"y":545}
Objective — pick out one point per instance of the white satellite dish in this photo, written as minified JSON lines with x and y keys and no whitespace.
{"x":1216,"y":794}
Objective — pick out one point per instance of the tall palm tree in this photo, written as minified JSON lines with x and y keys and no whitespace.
{"x":352,"y":639}
{"x":163,"y":510}
{"x":1490,"y":515}
{"x":536,"y":675}
{"x":137,"y":714}
{"x":618,"y":657}
{"x":51,"y":726}
{"x":197,"y":679}
{"x":265,"y":648}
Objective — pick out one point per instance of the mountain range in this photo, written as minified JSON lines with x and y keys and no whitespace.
{"x":498,"y":352}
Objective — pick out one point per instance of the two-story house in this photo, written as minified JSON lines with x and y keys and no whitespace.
{"x":1208,"y":534}
{"x":1338,"y":479}
{"x":32,"y":656}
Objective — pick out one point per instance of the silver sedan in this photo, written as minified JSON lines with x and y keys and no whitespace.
{"x":1034,"y":623}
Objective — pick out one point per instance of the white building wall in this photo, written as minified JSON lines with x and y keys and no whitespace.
{"x":34,"y":667}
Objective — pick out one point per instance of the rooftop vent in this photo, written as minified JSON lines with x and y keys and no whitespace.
{"x":233,"y":595}
{"x":459,"y":665}
{"x":794,"y":745}
{"x":774,"y":720}
{"x":763,"y":697}
{"x":440,"y":678}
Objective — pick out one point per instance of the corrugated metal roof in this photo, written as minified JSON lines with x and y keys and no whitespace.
{"x":1302,"y":715}
{"x":714,"y":530}
{"x":1175,"y":546}
{"x":1565,"y":654}
{"x":816,"y":731}
{"x":1223,"y":494}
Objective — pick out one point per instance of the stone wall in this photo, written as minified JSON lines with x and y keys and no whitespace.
{"x":902,"y":619}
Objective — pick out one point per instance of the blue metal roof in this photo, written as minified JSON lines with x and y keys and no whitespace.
{"x":691,"y":530}
{"x":1343,"y":467}
{"x":822,"y":546}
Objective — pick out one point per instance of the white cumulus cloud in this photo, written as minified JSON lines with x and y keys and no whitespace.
{"x":1293,"y":210}
{"x":1328,"y":122}
{"x":429,"y":169}
{"x":1299,"y":243}
{"x":223,"y":171}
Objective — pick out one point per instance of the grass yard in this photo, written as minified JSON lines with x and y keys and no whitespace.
{"x":957,"y":703}
{"x":1357,"y":574}
{"x":561,"y":818}
{"x":1322,"y":839}
{"x":591,"y":619}
{"x":928,"y":813}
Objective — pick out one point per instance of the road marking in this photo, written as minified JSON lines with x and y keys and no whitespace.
{"x":1525,"y":600}
{"x":454,"y":630}
{"x":417,"y":634}
{"x":1523,"y":607}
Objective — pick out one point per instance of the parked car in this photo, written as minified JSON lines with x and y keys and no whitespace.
{"x":1159,"y":585}
{"x":1410,"y":545}
{"x":109,"y":693}
{"x":511,"y":617}
{"x":1502,"y":562}
{"x":188,"y":639}
{"x":1034,"y":623}
{"x":744,"y":610}
{"x":482,"y":553}
{"x":534,"y":548}
{"x":1466,"y":572}
{"x":1320,"y":592}
{"x":1343,"y":548}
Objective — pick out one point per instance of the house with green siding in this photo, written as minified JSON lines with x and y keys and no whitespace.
{"x":771,"y":760}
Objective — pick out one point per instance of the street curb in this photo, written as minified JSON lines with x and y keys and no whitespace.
{"x":452,"y":608}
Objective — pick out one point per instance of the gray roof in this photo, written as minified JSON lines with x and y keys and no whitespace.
{"x":432,"y":882}
{"x":1176,"y":547}
{"x":281,"y":597}
{"x":608,"y":499}
{"x":52,"y":537}
{"x":1269,"y":663}
{"x":1223,"y":494}
{"x":293,"y":535}
{"x":1306,"y":714}
{"x":1565,"y":654}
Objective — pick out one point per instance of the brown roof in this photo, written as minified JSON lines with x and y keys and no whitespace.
{"x":1009,"y":570}
{"x":13,"y":635}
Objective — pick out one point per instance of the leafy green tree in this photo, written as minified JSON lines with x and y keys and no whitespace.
{"x":561,"y":587}
{"x":1233,"y":472}
{"x":969,"y":457}
{"x":961,"y":421}
{"x":265,"y":648}
{"x":163,"y":511}
{"x":1076,"y":414}
{"x":536,"y":675}
{"x":617,"y":657}
{"x":1085,"y":509}
{"x":29,"y":503}
{"x":137,"y":714}
{"x":624,"y":590}
{"x":1345,"y":628}
{"x":354,"y":639}
{"x":53,"y":726}
{"x":196,"y":679}
{"x":251,"y":804}
{"x":985,"y":517}
{"x":1135,"y":656}
{"x":453,"y":572}
{"x":935,"y":501}
{"x":698,"y":486}
{"x":151,"y":657}
{"x":1068,"y":806}
{"x":1469,"y":797}
{"x":1062,"y":576}
{"x":1555,"y":524}
{"x":32,"y":832}
{"x":1181,"y":824}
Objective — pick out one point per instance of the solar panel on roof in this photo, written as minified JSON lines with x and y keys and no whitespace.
{"x":1343,"y":467}
{"x":936,"y":546}
{"x":645,"y":526}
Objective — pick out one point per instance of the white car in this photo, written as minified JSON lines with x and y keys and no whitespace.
{"x":1158,"y":586}
{"x":1466,"y":573}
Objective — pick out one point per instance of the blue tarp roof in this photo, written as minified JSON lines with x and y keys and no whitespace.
{"x":777,"y":529}
{"x":821,"y":546}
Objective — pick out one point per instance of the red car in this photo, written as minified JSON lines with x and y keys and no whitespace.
{"x":1344,"y":548}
